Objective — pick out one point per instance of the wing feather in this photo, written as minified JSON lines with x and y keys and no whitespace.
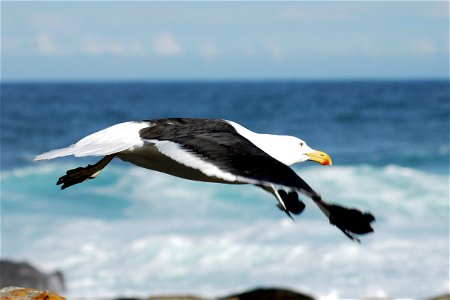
{"x":230,"y":156}
{"x":114,"y":139}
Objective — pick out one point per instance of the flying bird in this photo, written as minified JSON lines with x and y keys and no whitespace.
{"x":213,"y":150}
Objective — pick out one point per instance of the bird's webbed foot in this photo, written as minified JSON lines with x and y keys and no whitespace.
{"x":77,"y":175}
{"x":81,"y":174}
{"x":292,"y":202}
{"x":350,"y":221}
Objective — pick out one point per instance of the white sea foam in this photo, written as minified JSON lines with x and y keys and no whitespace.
{"x":133,"y":232}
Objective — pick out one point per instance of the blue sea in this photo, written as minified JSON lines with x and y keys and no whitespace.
{"x":135,"y":232}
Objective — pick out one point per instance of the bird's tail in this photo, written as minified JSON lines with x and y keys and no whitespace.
{"x":352,"y":222}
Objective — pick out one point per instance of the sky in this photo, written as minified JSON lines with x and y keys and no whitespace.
{"x":224,"y":40}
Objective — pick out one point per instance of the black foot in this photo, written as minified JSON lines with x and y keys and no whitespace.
{"x":81,"y":174}
{"x":292,"y":202}
{"x":77,"y":175}
{"x":351,"y":221}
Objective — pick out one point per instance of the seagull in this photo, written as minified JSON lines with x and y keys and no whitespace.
{"x":213,"y":150}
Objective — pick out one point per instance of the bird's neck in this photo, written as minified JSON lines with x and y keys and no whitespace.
{"x":279,"y":147}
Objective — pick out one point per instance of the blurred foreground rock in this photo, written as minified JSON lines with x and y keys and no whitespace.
{"x":24,"y":274}
{"x":257,"y":294}
{"x":177,"y":298}
{"x":16,"y":293}
{"x":269,"y":294}
{"x":442,"y":297}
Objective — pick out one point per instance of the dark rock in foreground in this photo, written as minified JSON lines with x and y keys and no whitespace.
{"x":442,"y":297}
{"x":269,"y":294}
{"x":24,"y":274}
{"x":176,"y":298}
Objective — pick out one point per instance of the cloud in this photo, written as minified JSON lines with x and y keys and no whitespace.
{"x":166,"y":45}
{"x":92,"y":46}
{"x":423,"y":47}
{"x":209,"y":51}
{"x":46,"y":45}
{"x":275,"y":51}
{"x":380,"y":48}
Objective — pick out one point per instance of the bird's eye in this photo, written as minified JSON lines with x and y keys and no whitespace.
{"x":301,"y":144}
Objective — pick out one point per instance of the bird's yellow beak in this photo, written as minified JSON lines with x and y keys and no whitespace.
{"x":320,"y":157}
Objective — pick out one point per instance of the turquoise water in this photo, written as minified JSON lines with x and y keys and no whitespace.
{"x":135,"y":232}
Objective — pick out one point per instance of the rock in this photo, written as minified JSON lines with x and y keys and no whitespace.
{"x":442,"y":297}
{"x":17,"y":293}
{"x":176,"y":298}
{"x":24,"y":274}
{"x":269,"y":294}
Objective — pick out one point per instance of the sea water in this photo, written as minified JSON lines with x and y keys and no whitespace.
{"x":135,"y":232}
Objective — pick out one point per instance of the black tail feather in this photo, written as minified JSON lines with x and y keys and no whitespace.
{"x":351,"y":221}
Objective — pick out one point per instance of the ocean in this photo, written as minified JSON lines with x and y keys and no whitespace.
{"x":135,"y":232}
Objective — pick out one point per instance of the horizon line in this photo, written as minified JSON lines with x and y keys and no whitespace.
{"x":218,"y":80}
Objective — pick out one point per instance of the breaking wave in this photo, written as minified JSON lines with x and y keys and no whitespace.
{"x":134,"y":232}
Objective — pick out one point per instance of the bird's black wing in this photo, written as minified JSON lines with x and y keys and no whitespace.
{"x":217,"y":143}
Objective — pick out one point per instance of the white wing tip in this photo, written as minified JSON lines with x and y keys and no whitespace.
{"x":114,"y":139}
{"x":44,"y":156}
{"x":38,"y":157}
{"x":55,"y":153}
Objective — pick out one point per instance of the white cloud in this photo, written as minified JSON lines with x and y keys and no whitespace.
{"x":423,"y":47}
{"x":46,"y":45}
{"x":166,"y":45}
{"x":209,"y":50}
{"x":275,"y":51}
{"x":91,"y":46}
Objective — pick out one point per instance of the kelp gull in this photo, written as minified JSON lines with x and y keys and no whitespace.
{"x":212,"y":150}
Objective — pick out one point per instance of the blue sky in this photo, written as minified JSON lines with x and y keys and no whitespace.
{"x":223,"y":40}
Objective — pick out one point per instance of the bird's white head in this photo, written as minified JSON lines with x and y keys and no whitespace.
{"x":284,"y":148}
{"x":307,"y":153}
{"x":291,"y":150}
